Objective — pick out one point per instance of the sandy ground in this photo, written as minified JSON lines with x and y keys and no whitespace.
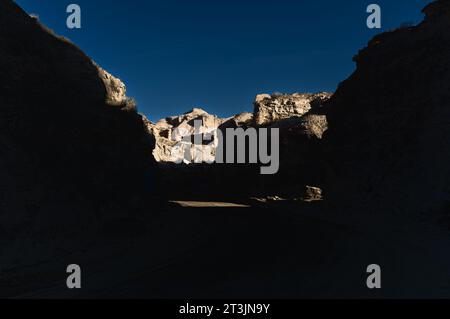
{"x":198,"y":204}
{"x":200,"y":250}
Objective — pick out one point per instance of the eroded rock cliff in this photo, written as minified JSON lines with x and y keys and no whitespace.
{"x":291,"y":113}
{"x":174,"y":135}
{"x":388,"y":138}
{"x":272,"y":108}
{"x":301,"y":121}
{"x":73,"y":152}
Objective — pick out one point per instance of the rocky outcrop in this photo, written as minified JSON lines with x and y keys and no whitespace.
{"x":388,"y":137}
{"x":296,"y":113}
{"x":115,"y":88}
{"x":241,"y":120}
{"x":300,"y":139}
{"x":73,"y":155}
{"x":175,"y":135}
{"x":312,"y":194}
{"x":272,"y":108}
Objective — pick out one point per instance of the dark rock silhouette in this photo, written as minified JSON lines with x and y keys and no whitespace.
{"x":73,"y":151}
{"x":388,"y":138}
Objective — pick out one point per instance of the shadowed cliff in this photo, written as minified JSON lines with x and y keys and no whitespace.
{"x":388,"y":138}
{"x":74,"y":153}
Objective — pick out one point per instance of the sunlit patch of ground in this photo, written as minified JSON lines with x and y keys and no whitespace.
{"x":197,"y":204}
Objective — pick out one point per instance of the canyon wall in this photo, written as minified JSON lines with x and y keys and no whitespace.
{"x":74,"y":153}
{"x":388,"y":140}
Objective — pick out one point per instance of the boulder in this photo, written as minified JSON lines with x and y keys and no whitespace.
{"x":312,"y":194}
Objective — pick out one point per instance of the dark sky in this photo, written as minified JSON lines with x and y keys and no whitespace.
{"x":174,"y":55}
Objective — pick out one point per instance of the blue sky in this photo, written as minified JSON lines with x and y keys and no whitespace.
{"x":174,"y":55}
